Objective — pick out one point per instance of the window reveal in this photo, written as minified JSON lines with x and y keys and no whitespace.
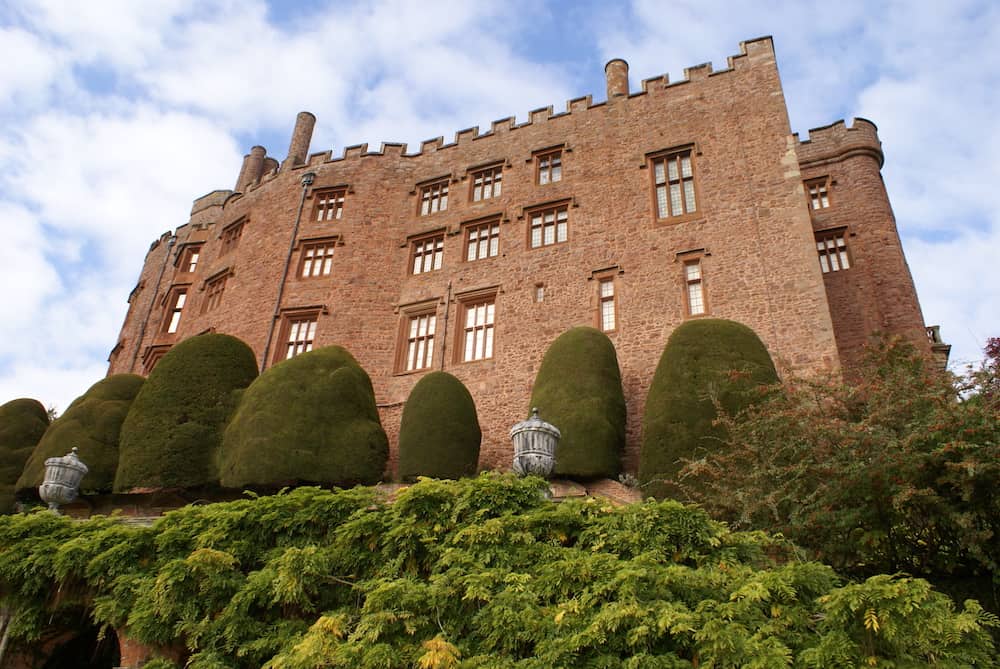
{"x":673,"y":177}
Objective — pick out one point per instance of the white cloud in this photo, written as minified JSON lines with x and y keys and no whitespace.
{"x":26,"y":83}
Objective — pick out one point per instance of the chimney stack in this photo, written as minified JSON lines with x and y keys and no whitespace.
{"x":298,"y":148}
{"x":616,"y":73}
{"x":253,"y":167}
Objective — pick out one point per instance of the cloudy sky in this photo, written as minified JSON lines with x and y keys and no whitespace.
{"x":116,"y":114}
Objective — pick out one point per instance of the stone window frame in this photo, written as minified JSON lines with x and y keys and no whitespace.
{"x":188,"y":257}
{"x":530,"y":214}
{"x":231,"y":234}
{"x":694,"y":258}
{"x":602,"y":278}
{"x":692,"y":151}
{"x":408,"y":316}
{"x":833,"y":251}
{"x":432,"y":196}
{"x":418,"y":251}
{"x":323,"y":198}
{"x":293,"y":341}
{"x":152,"y":355}
{"x":174,"y":301}
{"x":305,"y":245}
{"x":486,"y":177}
{"x":549,"y":164}
{"x":466,"y":303}
{"x":492,"y":225}
{"x":818,"y":193}
{"x":214,"y":287}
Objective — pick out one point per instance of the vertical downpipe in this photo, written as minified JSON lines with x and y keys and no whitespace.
{"x":444,"y":335}
{"x":152,"y":301}
{"x":307,"y":180}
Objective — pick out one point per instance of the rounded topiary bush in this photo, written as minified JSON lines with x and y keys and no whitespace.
{"x":92,"y":423}
{"x":172,"y":433}
{"x":22,"y":424}
{"x":311,"y":419}
{"x":439,"y":435}
{"x":579,"y":390}
{"x":705,"y":361}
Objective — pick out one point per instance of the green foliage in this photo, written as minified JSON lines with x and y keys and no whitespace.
{"x":92,"y":423}
{"x":579,"y":390}
{"x":707,"y":363}
{"x":480,"y":572}
{"x":439,"y":435}
{"x":172,"y":433}
{"x":895,"y":472}
{"x":309,"y":419}
{"x":22,"y":424}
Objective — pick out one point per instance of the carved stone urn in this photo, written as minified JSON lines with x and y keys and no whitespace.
{"x":535,"y":444}
{"x":62,"y":480}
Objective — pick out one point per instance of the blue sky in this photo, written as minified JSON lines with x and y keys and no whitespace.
{"x":116,"y":114}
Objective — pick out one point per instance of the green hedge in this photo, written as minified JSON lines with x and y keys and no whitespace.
{"x":439,"y":435}
{"x":579,"y":390}
{"x":93,"y":424}
{"x":22,"y":424}
{"x":705,"y":360}
{"x":172,"y":432}
{"x":309,"y":419}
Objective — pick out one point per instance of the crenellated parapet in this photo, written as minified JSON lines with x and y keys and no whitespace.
{"x":836,"y":142}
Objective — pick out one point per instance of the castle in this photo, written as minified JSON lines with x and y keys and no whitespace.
{"x":677,"y":201}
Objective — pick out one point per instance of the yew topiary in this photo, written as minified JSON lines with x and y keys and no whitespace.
{"x":92,"y":423}
{"x":439,"y":435}
{"x":705,"y":361}
{"x":579,"y":390}
{"x":171,"y":436}
{"x":22,"y":424}
{"x":311,"y":419}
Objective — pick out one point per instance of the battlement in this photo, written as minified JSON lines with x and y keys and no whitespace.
{"x":258,"y":168}
{"x":836,"y":141}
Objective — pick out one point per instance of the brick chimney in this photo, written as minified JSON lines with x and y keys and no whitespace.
{"x":298,"y":148}
{"x":253,"y":167}
{"x":616,"y":73}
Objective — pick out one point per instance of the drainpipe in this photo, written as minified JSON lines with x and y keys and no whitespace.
{"x":152,"y":301}
{"x":444,"y":335}
{"x":307,"y":180}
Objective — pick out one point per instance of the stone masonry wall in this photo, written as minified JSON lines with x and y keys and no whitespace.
{"x":752,"y":231}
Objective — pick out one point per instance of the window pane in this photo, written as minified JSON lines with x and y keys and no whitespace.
{"x":675,"y":200}
{"x":689,"y":196}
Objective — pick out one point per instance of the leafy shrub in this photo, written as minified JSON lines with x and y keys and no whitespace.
{"x":22,"y":424}
{"x":92,"y":423}
{"x":579,"y":390}
{"x":309,"y":419}
{"x":483,"y":571}
{"x":172,"y":433}
{"x":439,"y":435}
{"x":706,"y":362}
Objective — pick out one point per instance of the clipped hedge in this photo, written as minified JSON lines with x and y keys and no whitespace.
{"x":579,"y":390}
{"x":172,"y":433}
{"x":309,"y":419}
{"x":439,"y":434}
{"x":92,"y":423}
{"x":705,"y":361}
{"x":22,"y":423}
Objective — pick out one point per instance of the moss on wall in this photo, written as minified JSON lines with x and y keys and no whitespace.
{"x":439,"y":434}
{"x":579,"y":390}
{"x":92,"y":423}
{"x":311,"y":419}
{"x":22,"y":424}
{"x":172,"y":433}
{"x":705,"y":361}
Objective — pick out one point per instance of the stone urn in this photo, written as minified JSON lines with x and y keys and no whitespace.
{"x":535,"y":444}
{"x":62,"y":480}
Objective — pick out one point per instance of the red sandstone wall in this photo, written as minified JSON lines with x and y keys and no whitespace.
{"x":876,"y":294}
{"x":760,"y":264}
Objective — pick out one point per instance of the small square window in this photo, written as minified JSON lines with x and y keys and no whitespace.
{"x":231,"y":235}
{"x":426,"y":254}
{"x":819,"y":193}
{"x":549,"y":167}
{"x":213,"y":293}
{"x":673,"y":183}
{"x":329,"y":204}
{"x":486,"y":183}
{"x":539,"y":292}
{"x":549,"y":226}
{"x":832,"y":249}
{"x":317,"y":259}
{"x":482,"y":240}
{"x":434,"y":197}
